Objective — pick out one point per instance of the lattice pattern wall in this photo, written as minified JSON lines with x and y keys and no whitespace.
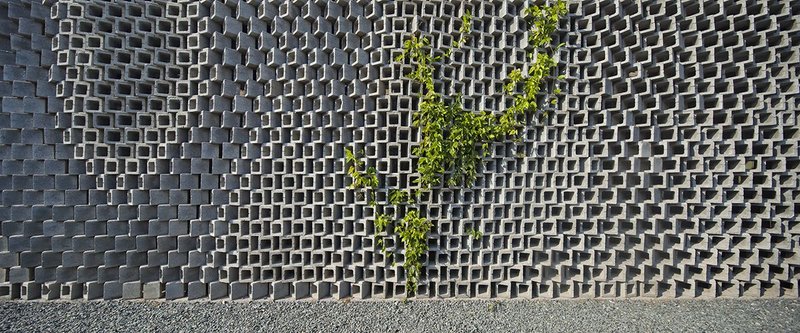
{"x":194,"y":149}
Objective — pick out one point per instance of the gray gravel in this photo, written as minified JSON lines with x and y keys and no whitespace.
{"x":416,"y":316}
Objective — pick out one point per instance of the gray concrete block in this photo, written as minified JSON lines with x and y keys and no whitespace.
{"x":218,"y":290}
{"x":132,"y":290}
{"x":152,"y":290}
{"x":197,"y":290}
{"x":175,"y":290}
{"x":112,"y":290}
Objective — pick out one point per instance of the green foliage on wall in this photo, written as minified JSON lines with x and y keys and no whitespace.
{"x":454,"y":141}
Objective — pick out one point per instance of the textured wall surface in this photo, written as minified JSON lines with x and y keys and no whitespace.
{"x":195,"y":149}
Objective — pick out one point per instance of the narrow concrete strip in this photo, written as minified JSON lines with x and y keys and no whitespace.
{"x":781,"y":315}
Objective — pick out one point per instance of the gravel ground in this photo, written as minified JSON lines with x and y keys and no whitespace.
{"x":416,"y":316}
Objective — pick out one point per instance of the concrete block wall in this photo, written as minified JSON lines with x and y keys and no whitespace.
{"x":195,"y":150}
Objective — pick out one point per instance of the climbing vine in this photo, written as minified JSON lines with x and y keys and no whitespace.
{"x":412,"y":229}
{"x":367,"y":179}
{"x":454,"y":141}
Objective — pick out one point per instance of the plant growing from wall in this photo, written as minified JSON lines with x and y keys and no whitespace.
{"x":474,"y":233}
{"x":450,"y":135}
{"x":412,"y":229}
{"x":413,"y":232}
{"x":367,"y":179}
{"x":543,"y":22}
{"x":453,"y":141}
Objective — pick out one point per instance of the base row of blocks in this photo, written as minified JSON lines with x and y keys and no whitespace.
{"x":365,"y":290}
